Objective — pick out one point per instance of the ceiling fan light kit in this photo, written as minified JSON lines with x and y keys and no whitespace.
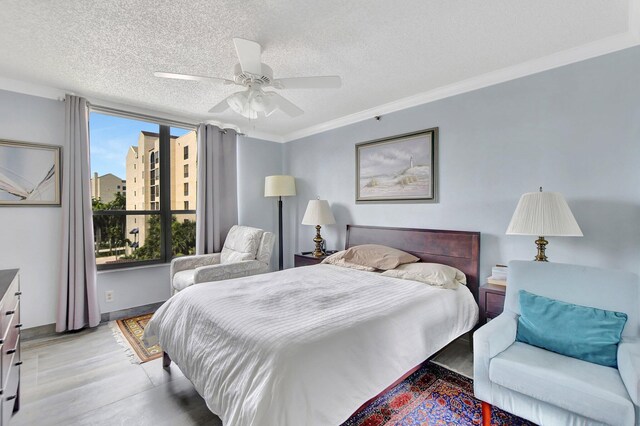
{"x":251,"y":73}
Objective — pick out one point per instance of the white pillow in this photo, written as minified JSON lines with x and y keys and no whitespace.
{"x":337,"y":259}
{"x":434,"y":274}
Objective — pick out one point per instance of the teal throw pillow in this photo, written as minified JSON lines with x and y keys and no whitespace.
{"x":581,"y":332}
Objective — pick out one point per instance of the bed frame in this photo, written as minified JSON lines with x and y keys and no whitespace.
{"x":460,"y":249}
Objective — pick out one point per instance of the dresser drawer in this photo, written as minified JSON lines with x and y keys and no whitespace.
{"x":9,"y":394}
{"x":10,"y":347}
{"x":7,"y":305}
{"x":494,"y":304}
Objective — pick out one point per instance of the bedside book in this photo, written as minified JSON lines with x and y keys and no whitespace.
{"x":496,"y":281}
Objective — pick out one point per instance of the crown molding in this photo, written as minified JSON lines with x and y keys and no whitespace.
{"x":269,"y":137}
{"x":566,"y":57}
{"x":25,"y":88}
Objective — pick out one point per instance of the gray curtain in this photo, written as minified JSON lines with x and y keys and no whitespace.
{"x":78,"y":298}
{"x":217,"y":202}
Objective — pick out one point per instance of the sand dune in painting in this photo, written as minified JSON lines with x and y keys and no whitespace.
{"x":412,"y":182}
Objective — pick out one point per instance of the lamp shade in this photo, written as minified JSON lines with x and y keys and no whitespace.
{"x":543,"y":214}
{"x":318,"y":213}
{"x":279,"y":186}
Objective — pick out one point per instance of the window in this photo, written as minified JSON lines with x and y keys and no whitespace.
{"x":186,"y":173}
{"x":186,"y":152}
{"x":145,"y":225}
{"x":186,"y":189}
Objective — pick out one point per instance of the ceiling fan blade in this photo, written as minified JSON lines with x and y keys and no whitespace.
{"x":221,"y":106}
{"x":162,"y":74}
{"x":249,"y":55}
{"x":284,"y":105}
{"x":325,"y":82}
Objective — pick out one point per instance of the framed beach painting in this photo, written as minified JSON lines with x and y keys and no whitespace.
{"x":398,"y":169}
{"x":29,"y":174}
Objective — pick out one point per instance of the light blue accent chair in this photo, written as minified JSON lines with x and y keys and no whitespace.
{"x":552,"y":389}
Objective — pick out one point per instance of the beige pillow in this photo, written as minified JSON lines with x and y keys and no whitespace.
{"x":337,"y":259}
{"x":377,"y":256}
{"x":434,"y":274}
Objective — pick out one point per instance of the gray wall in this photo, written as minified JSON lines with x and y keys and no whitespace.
{"x":575,"y":130}
{"x":30,"y":237}
{"x":256,"y":159}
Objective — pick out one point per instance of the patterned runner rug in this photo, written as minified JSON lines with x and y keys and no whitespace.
{"x":431,"y":396}
{"x":130,"y":332}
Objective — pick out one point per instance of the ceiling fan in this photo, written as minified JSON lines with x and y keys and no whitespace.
{"x":252,"y":74}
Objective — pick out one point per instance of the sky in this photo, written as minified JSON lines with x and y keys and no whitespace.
{"x":110,"y":139}
{"x":393,"y":158}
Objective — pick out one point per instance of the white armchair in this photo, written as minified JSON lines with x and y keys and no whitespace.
{"x":246,"y":251}
{"x":552,"y":389}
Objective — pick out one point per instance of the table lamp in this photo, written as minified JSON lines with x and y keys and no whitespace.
{"x":543,"y":214}
{"x":279,"y":186}
{"x":318,"y":213}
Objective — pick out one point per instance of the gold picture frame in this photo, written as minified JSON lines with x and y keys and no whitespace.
{"x":30,"y":174}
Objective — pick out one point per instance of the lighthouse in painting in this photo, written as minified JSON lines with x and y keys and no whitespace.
{"x":411,"y":162}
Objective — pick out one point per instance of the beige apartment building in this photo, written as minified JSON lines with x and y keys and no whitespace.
{"x":106,"y":187}
{"x":143,"y":179}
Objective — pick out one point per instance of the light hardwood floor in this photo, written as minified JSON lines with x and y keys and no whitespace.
{"x":86,"y":378}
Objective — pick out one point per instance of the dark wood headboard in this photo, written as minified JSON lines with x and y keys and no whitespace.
{"x":460,"y":249}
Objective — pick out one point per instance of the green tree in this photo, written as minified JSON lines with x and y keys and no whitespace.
{"x":109,"y":229}
{"x":183,"y":237}
{"x":151,"y":248}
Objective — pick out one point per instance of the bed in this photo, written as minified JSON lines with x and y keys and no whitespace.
{"x":310,"y":345}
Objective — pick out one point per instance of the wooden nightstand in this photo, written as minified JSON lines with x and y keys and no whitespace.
{"x":491,"y":301}
{"x":306,"y":259}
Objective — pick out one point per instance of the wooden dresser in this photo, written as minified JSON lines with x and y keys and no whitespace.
{"x":9,"y":343}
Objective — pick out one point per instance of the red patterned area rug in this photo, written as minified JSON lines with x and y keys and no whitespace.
{"x":132,"y":329}
{"x":431,"y":396}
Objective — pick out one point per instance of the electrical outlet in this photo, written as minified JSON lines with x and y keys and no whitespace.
{"x":108,"y":296}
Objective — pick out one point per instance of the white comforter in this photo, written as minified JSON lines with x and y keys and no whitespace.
{"x":305,"y":346}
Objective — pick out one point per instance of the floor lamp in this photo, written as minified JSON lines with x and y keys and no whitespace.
{"x":279,"y":186}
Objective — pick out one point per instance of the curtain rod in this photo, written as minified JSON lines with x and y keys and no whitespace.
{"x":144,"y":117}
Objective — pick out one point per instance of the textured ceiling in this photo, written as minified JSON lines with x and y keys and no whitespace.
{"x":383,"y":50}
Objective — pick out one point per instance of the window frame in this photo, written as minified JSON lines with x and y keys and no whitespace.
{"x":164,"y":209}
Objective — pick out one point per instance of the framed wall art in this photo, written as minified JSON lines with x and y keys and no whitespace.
{"x":401,"y":168}
{"x":29,"y":174}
